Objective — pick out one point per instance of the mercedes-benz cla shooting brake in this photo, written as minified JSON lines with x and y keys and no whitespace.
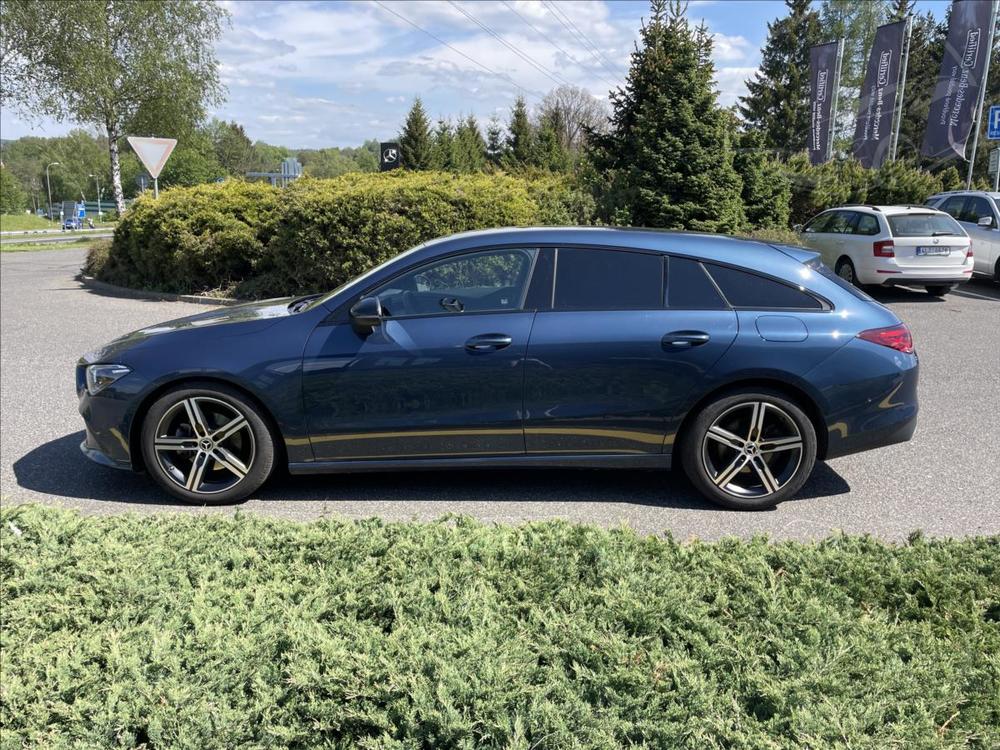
{"x":741,"y":361}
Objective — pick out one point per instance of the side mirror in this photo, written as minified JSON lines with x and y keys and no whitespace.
{"x":366,"y":314}
{"x":797,"y":228}
{"x":985,"y":221}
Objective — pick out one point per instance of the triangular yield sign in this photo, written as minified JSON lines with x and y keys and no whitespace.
{"x":152,"y":152}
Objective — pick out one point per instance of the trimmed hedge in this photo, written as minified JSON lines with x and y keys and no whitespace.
{"x":212,"y":632}
{"x":252,"y":240}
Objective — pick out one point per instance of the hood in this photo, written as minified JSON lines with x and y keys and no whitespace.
{"x":264,"y":314}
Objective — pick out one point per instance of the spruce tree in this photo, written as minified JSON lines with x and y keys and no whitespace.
{"x":766,"y":188}
{"x":415,"y":144}
{"x":442,"y":156}
{"x":667,"y":160}
{"x":495,"y":147}
{"x":777,"y":102}
{"x":521,"y":138}
{"x":470,"y":148}
{"x":549,"y":151}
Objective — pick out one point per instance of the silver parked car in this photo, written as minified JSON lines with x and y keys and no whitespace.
{"x":979,"y":214}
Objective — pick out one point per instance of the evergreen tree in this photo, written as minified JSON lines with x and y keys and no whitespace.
{"x":777,"y":102}
{"x":495,"y":147}
{"x":521,"y":138}
{"x":415,"y":143}
{"x":667,"y":160}
{"x":549,"y":151}
{"x":766,"y":188}
{"x":442,"y":148}
{"x":900,"y":9}
{"x":470,"y":148}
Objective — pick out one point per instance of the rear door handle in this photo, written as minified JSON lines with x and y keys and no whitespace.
{"x":684,"y":339}
{"x":488,"y":342}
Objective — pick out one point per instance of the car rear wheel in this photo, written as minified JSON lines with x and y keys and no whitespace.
{"x":845,"y":270}
{"x":207,"y":444}
{"x":938,"y":291}
{"x":750,"y":449}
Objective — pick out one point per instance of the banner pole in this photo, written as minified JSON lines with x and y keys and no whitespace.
{"x":836,"y":96}
{"x":982,"y":96}
{"x":902,"y":89}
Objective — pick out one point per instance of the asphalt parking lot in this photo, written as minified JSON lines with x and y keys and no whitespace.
{"x":945,"y":482}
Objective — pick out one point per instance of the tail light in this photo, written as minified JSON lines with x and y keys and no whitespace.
{"x":883,"y":249}
{"x":968,"y":253}
{"x":895,"y":337}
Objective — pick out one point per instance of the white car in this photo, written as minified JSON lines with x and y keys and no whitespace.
{"x":979,"y":214}
{"x":892,"y":246}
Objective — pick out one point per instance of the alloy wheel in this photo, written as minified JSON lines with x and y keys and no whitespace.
{"x":846,"y":272}
{"x":204,"y":444}
{"x":752,"y":449}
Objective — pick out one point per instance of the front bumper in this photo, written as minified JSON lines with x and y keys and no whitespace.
{"x":108,"y":418}
{"x":98,"y":456}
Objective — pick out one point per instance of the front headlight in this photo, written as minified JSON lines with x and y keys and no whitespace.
{"x":100,"y":377}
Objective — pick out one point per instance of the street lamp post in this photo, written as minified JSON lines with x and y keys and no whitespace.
{"x":48,"y":185}
{"x":98,"y":181}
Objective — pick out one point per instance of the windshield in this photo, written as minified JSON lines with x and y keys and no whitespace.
{"x":923,"y":225}
{"x":358,"y":279}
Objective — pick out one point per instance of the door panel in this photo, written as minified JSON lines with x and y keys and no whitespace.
{"x":615,"y":381}
{"x":444,"y":385}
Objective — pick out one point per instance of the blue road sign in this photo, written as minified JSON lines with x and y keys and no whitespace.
{"x":994,"y":121}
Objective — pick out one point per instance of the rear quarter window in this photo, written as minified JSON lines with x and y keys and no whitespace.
{"x":744,"y":289}
{"x":923,"y":225}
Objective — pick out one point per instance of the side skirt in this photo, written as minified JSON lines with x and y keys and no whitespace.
{"x":615,"y":461}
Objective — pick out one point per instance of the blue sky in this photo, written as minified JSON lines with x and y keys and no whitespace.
{"x":314,"y":74}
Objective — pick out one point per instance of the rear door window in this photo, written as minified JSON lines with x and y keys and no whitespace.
{"x":744,"y":289}
{"x":689,"y":286}
{"x":841,"y":223}
{"x":592,"y":279}
{"x":817,"y":224}
{"x":923,"y":225}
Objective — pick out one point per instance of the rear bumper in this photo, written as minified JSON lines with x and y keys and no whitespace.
{"x":925,"y":280}
{"x":872,"y":411}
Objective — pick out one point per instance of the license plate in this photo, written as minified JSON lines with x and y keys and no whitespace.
{"x":933,"y":251}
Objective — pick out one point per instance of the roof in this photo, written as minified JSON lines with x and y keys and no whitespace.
{"x":722,"y":248}
{"x":886,"y":210}
{"x":987,"y":193}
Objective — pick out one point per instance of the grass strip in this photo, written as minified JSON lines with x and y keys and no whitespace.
{"x":209,"y":631}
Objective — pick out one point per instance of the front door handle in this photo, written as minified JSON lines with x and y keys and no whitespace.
{"x":684,"y":339}
{"x":488,"y":342}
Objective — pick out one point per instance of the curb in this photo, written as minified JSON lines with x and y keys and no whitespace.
{"x":121,"y":291}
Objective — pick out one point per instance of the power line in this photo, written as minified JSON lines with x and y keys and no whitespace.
{"x":554,"y":77}
{"x":551,"y":41}
{"x":438,"y":39}
{"x":573,"y":29}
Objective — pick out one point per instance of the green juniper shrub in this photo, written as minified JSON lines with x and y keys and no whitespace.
{"x":190,"y":631}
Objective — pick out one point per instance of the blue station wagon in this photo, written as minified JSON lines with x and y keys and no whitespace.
{"x":741,"y":361}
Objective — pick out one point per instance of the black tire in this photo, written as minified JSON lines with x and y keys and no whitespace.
{"x":996,"y":272}
{"x":938,"y":290}
{"x":787,"y":468}
{"x":845,"y":270}
{"x":250,"y":446}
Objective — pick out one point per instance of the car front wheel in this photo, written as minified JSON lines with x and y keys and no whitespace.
{"x":207,"y":444}
{"x":750,"y":449}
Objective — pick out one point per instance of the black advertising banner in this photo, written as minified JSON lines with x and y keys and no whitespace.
{"x":873,"y":132}
{"x":956,"y":93}
{"x":822,"y":70}
{"x":388,"y":156}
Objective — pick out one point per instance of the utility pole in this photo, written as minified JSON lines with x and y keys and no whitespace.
{"x":982,"y":96}
{"x":902,"y":88}
{"x":48,"y":185}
